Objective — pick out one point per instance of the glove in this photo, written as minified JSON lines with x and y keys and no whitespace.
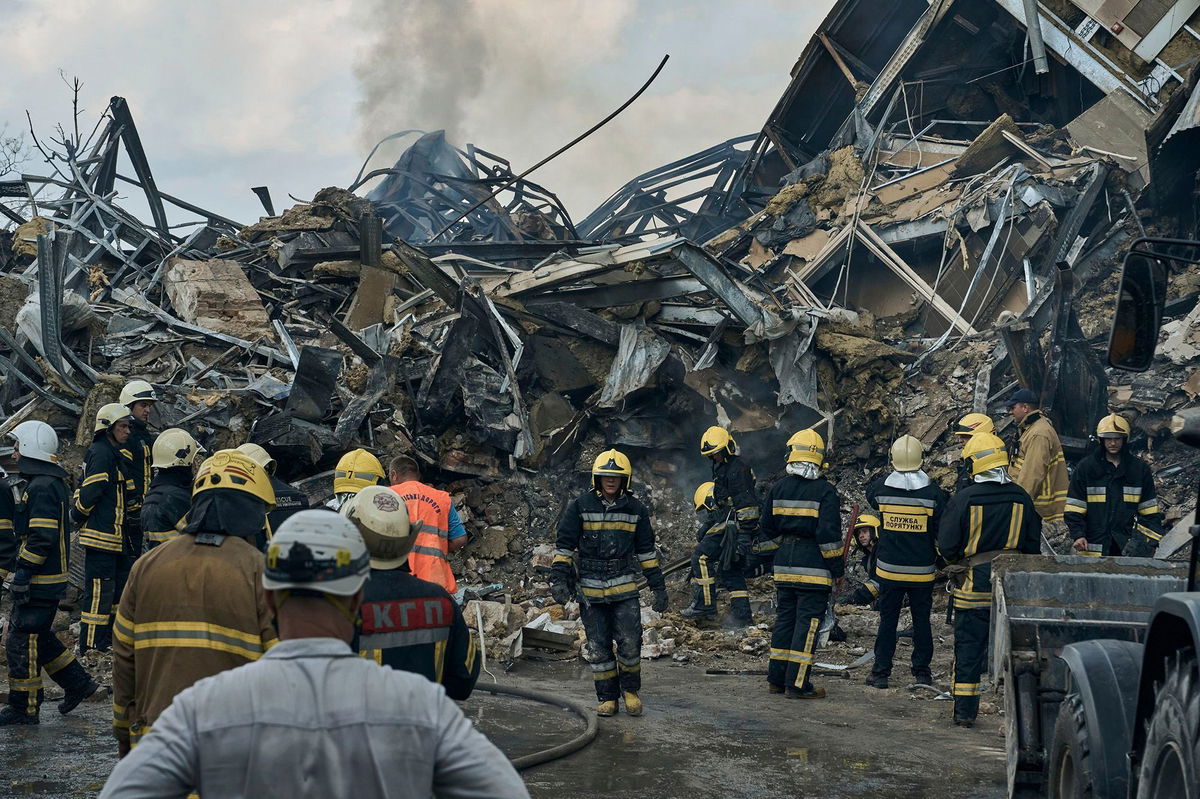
{"x":560,"y":592}
{"x":660,"y":600}
{"x":20,"y":587}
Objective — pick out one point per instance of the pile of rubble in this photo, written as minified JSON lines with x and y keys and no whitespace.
{"x":877,"y":261}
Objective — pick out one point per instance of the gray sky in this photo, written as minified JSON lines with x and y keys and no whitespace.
{"x":229,"y":95}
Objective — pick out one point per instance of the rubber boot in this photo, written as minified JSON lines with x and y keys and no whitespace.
{"x":877,"y":680}
{"x":10,"y":715}
{"x":72,"y":699}
{"x":633,"y":703}
{"x":923,"y":678}
{"x":697,"y":610}
{"x":607,"y":708}
{"x":807,"y":692}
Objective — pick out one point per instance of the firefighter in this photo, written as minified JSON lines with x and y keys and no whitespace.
{"x":866,"y":541}
{"x":408,"y":623}
{"x":100,"y":509}
{"x":992,"y":516}
{"x":288,"y":498}
{"x":40,"y":578}
{"x":709,"y":560}
{"x":1038,"y":466}
{"x":910,"y":505}
{"x":606,"y":535}
{"x":139,"y":397}
{"x":802,"y":525}
{"x":440,"y":528}
{"x":735,"y":495}
{"x":164,"y":511}
{"x":355,"y":470}
{"x":966,"y":427}
{"x":1112,"y":507}
{"x":195,"y":605}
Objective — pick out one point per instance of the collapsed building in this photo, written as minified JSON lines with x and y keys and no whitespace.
{"x":934,"y":212}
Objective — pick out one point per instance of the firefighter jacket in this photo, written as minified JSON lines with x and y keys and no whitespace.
{"x":868,"y":592}
{"x":801,"y":523}
{"x":40,"y":529}
{"x":608,"y":544}
{"x":137,"y":454}
{"x":8,"y":532}
{"x":288,"y":500}
{"x":712,"y":522}
{"x":734,"y":488}
{"x":907,"y":550}
{"x":192,"y":607}
{"x":1039,"y":467}
{"x":167,"y":503}
{"x":1115,"y":507}
{"x":100,"y":500}
{"x":414,"y":625}
{"x":980,"y":522}
{"x":429,"y":513}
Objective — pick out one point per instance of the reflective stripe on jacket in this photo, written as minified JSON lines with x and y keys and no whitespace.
{"x":429,"y":513}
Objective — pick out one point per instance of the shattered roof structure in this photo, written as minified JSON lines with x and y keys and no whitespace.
{"x":935,"y":175}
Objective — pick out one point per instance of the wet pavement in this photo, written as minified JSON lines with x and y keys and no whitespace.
{"x":700,"y":735}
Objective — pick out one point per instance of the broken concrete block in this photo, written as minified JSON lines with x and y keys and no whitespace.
{"x":217,"y":295}
{"x":543,"y":556}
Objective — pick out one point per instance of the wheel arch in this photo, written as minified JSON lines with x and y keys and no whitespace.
{"x":1174,"y":626}
{"x":1105,"y":675}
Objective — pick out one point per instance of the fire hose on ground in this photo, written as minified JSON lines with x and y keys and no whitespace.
{"x":555,"y":752}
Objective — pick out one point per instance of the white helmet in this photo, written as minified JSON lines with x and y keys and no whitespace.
{"x":259,"y":455}
{"x":137,"y":391}
{"x":110,"y":414}
{"x":382,"y":518}
{"x":317,"y":550}
{"x":174,"y":447}
{"x":37,"y":440}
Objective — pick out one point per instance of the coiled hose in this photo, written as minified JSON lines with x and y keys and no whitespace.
{"x":555,"y":752}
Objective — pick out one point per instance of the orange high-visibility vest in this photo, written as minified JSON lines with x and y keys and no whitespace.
{"x":429,"y":514}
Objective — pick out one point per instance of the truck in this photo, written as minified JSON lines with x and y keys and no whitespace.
{"x":1099,"y":656}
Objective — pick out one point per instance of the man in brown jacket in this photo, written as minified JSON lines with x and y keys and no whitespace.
{"x":194,"y":606}
{"x":1039,"y":467}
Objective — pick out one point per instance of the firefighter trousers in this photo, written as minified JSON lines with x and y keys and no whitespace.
{"x":104,"y":576}
{"x":970,"y":654}
{"x":707,"y":573}
{"x":33,"y":647}
{"x":614,"y":646}
{"x":920,"y":602}
{"x":797,"y":621}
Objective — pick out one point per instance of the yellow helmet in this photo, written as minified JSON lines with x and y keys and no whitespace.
{"x":612,"y":463}
{"x":807,"y":446}
{"x":868,"y":520}
{"x":259,"y":455}
{"x":907,"y":454}
{"x":985,"y":451}
{"x":356,"y":470}
{"x":716,"y":439}
{"x":703,"y":497}
{"x":974,"y":423}
{"x":1113,"y":426}
{"x":109,"y":415}
{"x":174,"y":447}
{"x":228,"y":468}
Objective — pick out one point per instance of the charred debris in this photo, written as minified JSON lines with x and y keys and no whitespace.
{"x":934,"y":212}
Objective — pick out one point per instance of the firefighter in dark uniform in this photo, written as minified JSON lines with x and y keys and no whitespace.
{"x":605,"y":533}
{"x":992,"y":516}
{"x":164,"y":511}
{"x":866,"y":541}
{"x":1112,"y":507}
{"x":966,"y":427}
{"x":708,"y":562}
{"x":408,"y":623}
{"x":139,"y":397}
{"x":39,"y":580}
{"x":288,"y":498}
{"x":100,"y":509}
{"x":910,"y":505}
{"x":802,"y":527}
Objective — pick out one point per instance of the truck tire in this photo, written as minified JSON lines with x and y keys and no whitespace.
{"x":1070,"y":753}
{"x":1170,"y":766}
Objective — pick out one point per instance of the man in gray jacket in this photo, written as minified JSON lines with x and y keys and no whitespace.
{"x":311,"y":718}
